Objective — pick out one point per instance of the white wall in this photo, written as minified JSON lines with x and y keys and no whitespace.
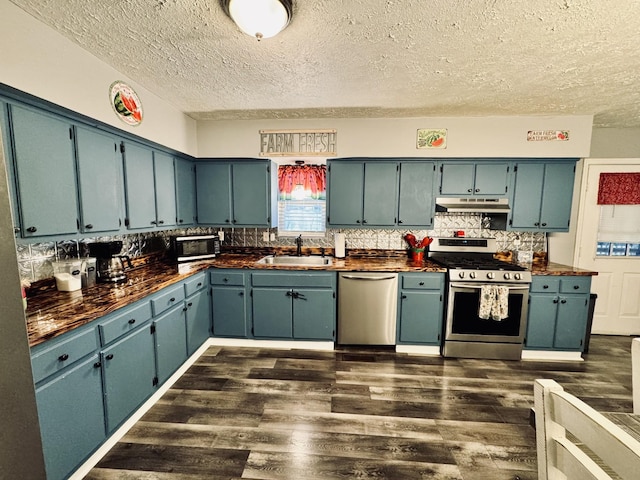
{"x":39,"y":61}
{"x":394,"y":137}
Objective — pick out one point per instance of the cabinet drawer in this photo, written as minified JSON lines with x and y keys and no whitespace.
{"x":227,"y":278}
{"x":293,"y":279}
{"x":121,"y":323}
{"x":167,"y":298}
{"x":193,"y":284}
{"x":575,"y":284}
{"x":422,"y":282}
{"x":53,"y":359}
{"x":545,"y":284}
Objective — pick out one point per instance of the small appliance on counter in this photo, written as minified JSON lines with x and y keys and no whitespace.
{"x":110,"y":265}
{"x":189,"y":248}
{"x":68,"y":275}
{"x":88,"y":272}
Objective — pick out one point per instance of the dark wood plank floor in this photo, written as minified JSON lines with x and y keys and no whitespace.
{"x":256,"y":413}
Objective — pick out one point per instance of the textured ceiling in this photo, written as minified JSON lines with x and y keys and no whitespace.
{"x":372,"y":58}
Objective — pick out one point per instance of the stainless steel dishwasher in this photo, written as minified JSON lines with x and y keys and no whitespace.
{"x":367,"y":308}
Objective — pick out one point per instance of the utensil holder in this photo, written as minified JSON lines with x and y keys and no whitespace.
{"x":417,"y":254}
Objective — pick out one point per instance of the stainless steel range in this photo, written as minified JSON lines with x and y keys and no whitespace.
{"x":487,"y":305}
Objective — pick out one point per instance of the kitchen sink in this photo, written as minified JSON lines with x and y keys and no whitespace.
{"x":309,"y":261}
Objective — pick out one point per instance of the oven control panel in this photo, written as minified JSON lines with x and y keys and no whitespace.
{"x":491,"y":276}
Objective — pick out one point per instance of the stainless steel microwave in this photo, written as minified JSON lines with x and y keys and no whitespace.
{"x":195,"y":247}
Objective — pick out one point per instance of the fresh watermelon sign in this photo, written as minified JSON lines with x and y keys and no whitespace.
{"x":125,"y":103}
{"x":432,"y":138}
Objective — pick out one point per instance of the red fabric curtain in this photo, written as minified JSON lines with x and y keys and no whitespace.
{"x":619,"y":189}
{"x":312,"y":178}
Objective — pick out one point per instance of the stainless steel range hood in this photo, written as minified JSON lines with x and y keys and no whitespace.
{"x":472,"y":205}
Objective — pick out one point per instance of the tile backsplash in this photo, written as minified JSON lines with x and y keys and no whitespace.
{"x":35,"y":259}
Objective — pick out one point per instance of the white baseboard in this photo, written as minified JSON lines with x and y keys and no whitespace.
{"x":281,"y":344}
{"x":419,"y":349}
{"x":552,"y":356}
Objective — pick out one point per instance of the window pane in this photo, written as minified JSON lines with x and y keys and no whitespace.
{"x":618,"y":249}
{"x":603,"y":248}
{"x":633,"y":249}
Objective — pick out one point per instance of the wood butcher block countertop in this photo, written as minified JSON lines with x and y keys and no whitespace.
{"x":51,"y":313}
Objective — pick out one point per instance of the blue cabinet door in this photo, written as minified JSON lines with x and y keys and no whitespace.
{"x":541,"y":321}
{"x":213,"y":193}
{"x":71,"y":415}
{"x":380,"y":194}
{"x":129,"y":371}
{"x":185,"y":192}
{"x":198,"y":320}
{"x":555,"y":211}
{"x":420,"y":317}
{"x":527,"y":196}
{"x":415,"y":203}
{"x":99,"y":181}
{"x":139,"y":187}
{"x":457,"y":178}
{"x":491,"y":179}
{"x":171,"y":342}
{"x":45,"y":170}
{"x":272,"y":313}
{"x":251,"y":194}
{"x":314,"y":314}
{"x":165,"y":189}
{"x":229,"y":309}
{"x":571,"y":322}
{"x":345,"y":193}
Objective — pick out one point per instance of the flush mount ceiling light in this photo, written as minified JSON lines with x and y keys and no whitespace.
{"x":259,"y":18}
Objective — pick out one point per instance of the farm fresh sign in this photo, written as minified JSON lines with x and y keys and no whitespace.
{"x":304,"y":143}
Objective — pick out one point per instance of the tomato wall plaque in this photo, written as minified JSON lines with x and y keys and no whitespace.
{"x":125,"y":103}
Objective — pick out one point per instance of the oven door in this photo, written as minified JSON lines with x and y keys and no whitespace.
{"x":464,"y":324}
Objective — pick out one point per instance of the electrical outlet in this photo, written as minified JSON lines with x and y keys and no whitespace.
{"x":221,"y":235}
{"x":516,"y":242}
{"x":273,"y":236}
{"x":265,"y":236}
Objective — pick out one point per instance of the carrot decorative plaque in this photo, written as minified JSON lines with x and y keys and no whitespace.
{"x":125,"y":103}
{"x":432,"y":138}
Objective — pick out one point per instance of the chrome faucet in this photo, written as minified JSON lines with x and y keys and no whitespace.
{"x":299,"y":245}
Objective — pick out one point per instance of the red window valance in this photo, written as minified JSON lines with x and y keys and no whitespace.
{"x":311,"y":178}
{"x":619,"y":189}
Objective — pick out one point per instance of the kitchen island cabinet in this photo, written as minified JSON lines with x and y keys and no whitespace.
{"x":558,"y":309}
{"x":542,"y":196}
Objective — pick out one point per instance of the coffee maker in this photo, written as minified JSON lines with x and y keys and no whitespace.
{"x":110,"y":265}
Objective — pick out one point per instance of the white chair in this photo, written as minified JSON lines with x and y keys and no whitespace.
{"x":564,"y":457}
{"x":635,"y":373}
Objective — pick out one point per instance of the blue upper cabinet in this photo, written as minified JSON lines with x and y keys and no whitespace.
{"x":236,"y":194}
{"x":484,"y":178}
{"x":99,"y":183}
{"x":149,"y":187}
{"x":185,"y":172}
{"x":542,"y":196}
{"x":362,"y":193}
{"x":45,"y":173}
{"x":165,"y":189}
{"x":415,"y":202}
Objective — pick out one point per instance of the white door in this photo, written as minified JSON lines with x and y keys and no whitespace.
{"x":618,"y":281}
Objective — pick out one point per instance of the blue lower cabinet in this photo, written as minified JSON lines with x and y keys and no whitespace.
{"x":272,"y":313}
{"x":229,"y":303}
{"x":314,"y":314}
{"x":171,"y":341}
{"x":421,"y":308}
{"x":71,"y":413}
{"x":129,"y":371}
{"x":198,"y":318}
